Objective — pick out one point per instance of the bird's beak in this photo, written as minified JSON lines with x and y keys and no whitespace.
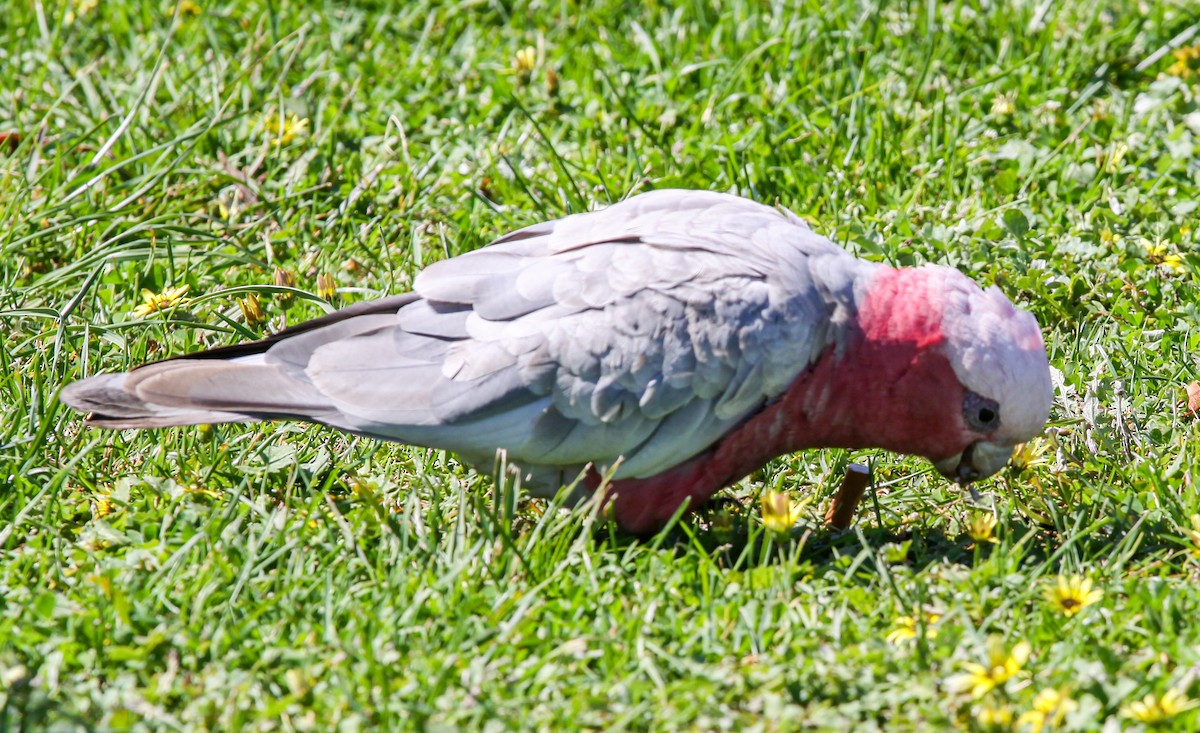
{"x":980,"y":460}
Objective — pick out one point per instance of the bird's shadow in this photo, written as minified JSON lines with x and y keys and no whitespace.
{"x":824,"y":549}
{"x":821,"y":549}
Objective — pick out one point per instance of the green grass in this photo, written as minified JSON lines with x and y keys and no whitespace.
{"x":280,"y":577}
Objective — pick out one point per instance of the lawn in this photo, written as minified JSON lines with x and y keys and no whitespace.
{"x":278,"y":159}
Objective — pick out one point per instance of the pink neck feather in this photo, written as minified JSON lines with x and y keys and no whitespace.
{"x":891,"y":388}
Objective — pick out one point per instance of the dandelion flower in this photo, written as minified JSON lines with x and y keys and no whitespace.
{"x":153,"y":302}
{"x":1002,"y":666}
{"x":1049,"y":708}
{"x":284,"y":279}
{"x":1030,"y":454}
{"x":1004,"y":105}
{"x":1157,"y":254}
{"x":1194,"y":533}
{"x":1070,"y":595}
{"x":282,"y":128}
{"x":229,"y":206}
{"x":252,"y":311}
{"x":779,"y":513}
{"x":1153,"y":710}
{"x":994,"y":717}
{"x":326,"y":287}
{"x":1112,"y":159}
{"x":82,"y":7}
{"x":1187,"y":62}
{"x":102,"y":505}
{"x":525,"y":60}
{"x":982,"y":527}
{"x":906,"y":628}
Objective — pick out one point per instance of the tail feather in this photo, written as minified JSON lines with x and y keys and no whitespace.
{"x":238,"y":383}
{"x":112,"y":406}
{"x":194,"y":392}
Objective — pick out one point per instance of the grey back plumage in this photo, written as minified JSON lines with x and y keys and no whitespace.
{"x":645,"y":330}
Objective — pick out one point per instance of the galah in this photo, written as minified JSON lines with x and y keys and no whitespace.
{"x":671,"y":344}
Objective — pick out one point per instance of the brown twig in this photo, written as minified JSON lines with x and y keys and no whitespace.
{"x":849,"y":494}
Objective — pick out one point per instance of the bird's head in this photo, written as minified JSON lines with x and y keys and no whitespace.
{"x":998,"y":355}
{"x":983,"y":358}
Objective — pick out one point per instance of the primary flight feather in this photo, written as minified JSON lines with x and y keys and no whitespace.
{"x":675,"y":341}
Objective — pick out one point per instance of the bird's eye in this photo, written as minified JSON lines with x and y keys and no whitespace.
{"x":981,"y":414}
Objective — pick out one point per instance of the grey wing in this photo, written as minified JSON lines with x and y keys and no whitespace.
{"x":645,"y":330}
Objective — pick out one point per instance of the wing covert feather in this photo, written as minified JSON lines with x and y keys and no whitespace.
{"x":644,"y":330}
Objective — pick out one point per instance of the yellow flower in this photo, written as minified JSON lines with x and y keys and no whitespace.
{"x":102,"y":506}
{"x":1072,"y":595}
{"x":1112,"y":159}
{"x":1187,"y":62}
{"x":779,"y":513}
{"x":994,"y":717}
{"x":252,"y":311}
{"x":1153,"y":710}
{"x":1108,"y":238}
{"x":229,"y":206}
{"x":1049,"y":708}
{"x":82,"y":7}
{"x":1003,"y":105}
{"x":525,"y":60}
{"x":282,"y":128}
{"x":187,"y":7}
{"x":1194,"y":533}
{"x":326,"y":287}
{"x":981,"y":528}
{"x":1157,"y":254}
{"x":153,"y":302}
{"x":906,"y":628}
{"x":1002,"y":666}
{"x":284,"y":279}
{"x":1029,"y":454}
